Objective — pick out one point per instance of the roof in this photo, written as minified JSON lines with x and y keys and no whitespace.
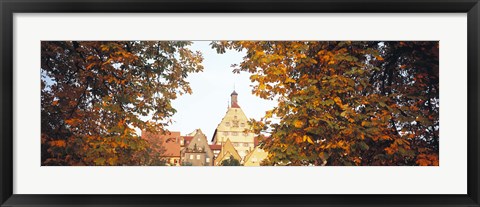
{"x":168,"y":142}
{"x":215,"y":147}
{"x":235,"y":105}
{"x":234,"y":93}
{"x":187,"y":140}
{"x":227,"y":150}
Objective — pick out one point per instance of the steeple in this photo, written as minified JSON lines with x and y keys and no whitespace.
{"x":234,"y":96}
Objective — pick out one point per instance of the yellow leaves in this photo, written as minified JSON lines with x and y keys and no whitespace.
{"x":112,"y":160}
{"x":338,"y":101}
{"x":365,"y":123}
{"x":298,"y":123}
{"x":380,"y":58}
{"x":269,"y":114}
{"x":308,"y":139}
{"x":261,"y":86}
{"x":289,"y":80}
{"x":55,"y":103}
{"x":104,"y":48}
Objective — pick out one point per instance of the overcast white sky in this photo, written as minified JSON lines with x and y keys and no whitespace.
{"x":207,"y":105}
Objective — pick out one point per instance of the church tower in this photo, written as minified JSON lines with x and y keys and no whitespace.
{"x":234,"y":99}
{"x":233,"y":128}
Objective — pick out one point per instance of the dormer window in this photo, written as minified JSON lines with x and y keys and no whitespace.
{"x":227,"y":123}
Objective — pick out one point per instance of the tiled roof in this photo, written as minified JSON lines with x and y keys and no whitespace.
{"x":187,"y":139}
{"x":215,"y":147}
{"x":235,"y":105}
{"x":168,"y":141}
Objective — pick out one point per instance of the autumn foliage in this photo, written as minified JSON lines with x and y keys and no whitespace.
{"x":95,"y":93}
{"x":345,"y":103}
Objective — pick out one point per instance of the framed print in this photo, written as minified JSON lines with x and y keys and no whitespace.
{"x":265,"y":103}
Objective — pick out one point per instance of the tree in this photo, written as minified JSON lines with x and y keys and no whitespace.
{"x":94,"y":95}
{"x":230,"y":162}
{"x":345,"y":103}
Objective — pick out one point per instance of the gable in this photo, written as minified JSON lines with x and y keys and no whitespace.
{"x":199,"y":140}
{"x":227,"y":150}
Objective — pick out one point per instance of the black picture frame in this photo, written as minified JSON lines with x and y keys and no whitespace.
{"x":9,"y":7}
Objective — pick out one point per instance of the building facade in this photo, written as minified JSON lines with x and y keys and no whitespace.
{"x":234,"y":127}
{"x":255,"y":157}
{"x":196,"y":151}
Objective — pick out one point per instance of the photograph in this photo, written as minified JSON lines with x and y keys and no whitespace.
{"x":239,"y":103}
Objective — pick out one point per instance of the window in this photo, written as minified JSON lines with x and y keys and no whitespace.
{"x":245,"y":144}
{"x":191,"y":157}
{"x":245,"y":134}
{"x":227,"y":123}
{"x":242,"y":124}
{"x":234,"y":133}
{"x":225,"y":133}
{"x":235,"y":144}
{"x":198,"y":157}
{"x":207,"y":159}
{"x":235,"y":117}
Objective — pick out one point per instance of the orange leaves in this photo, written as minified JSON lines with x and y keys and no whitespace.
{"x":58,"y":143}
{"x":397,"y":145}
{"x":97,"y":86}
{"x":73,"y":121}
{"x":427,"y":160}
{"x":364,"y":112}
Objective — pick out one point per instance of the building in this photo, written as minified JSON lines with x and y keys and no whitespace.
{"x":227,"y":151}
{"x":165,"y":147}
{"x":255,"y":157}
{"x":196,"y":151}
{"x":234,"y":127}
{"x":216,"y":150}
